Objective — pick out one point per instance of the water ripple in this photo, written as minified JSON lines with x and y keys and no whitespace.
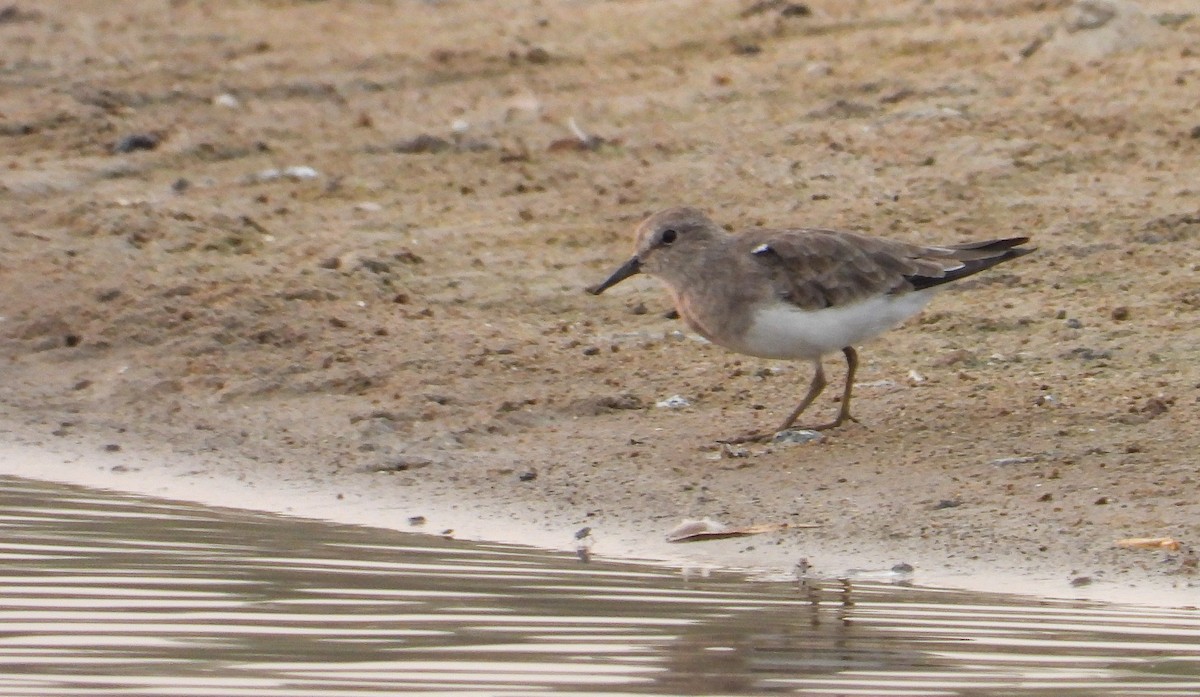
{"x":107,"y":594}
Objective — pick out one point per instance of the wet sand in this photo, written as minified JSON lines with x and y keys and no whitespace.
{"x":218,"y":481}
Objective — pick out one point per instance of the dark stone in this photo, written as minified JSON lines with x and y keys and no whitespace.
{"x":423,"y":143}
{"x":537,"y":55}
{"x":136,"y":141}
{"x":375,"y":266}
{"x":796,"y":9}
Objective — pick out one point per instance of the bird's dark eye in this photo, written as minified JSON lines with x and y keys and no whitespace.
{"x":668,"y":236}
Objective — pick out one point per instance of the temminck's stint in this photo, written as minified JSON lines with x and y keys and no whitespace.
{"x":797,"y":293}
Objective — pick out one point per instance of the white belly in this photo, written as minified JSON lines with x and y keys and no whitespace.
{"x":785,"y":331}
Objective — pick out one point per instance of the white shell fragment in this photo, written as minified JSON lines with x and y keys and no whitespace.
{"x":301,"y":172}
{"x":227,"y":101}
{"x":1169,"y":544}
{"x":797,"y":435}
{"x":295,"y":173}
{"x":708,"y":529}
{"x":673,"y":402}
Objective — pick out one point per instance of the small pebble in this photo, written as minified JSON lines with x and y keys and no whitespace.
{"x":227,"y":101}
{"x":797,"y":436}
{"x":402,"y":463}
{"x":673,"y":402}
{"x":137,"y":141}
{"x":300,"y":172}
{"x":1006,"y":461}
{"x":795,"y":9}
{"x":295,"y":173}
{"x":423,"y":143}
{"x":537,"y":55}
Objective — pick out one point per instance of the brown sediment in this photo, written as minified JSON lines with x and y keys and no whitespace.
{"x":405,"y":323}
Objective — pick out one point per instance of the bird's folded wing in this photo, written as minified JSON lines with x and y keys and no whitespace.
{"x":815,"y":269}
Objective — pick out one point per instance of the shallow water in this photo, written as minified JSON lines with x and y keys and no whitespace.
{"x":109,"y":594}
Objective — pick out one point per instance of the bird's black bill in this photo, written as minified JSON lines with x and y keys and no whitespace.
{"x":628,"y":269}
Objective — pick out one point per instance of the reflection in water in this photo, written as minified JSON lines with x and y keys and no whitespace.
{"x":107,"y":594}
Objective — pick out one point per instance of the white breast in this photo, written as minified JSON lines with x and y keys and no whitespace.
{"x":785,"y":331}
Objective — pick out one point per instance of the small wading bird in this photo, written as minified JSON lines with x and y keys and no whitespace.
{"x":797,"y":293}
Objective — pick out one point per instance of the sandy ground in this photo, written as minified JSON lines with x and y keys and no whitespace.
{"x":399,"y":325}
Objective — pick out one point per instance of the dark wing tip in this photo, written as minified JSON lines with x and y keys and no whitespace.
{"x":979,"y":260}
{"x":992,"y":245}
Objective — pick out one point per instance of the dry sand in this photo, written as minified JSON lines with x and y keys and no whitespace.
{"x":252,"y":335}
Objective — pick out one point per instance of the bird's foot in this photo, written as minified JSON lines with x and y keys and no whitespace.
{"x":836,"y":423}
{"x":779,"y":434}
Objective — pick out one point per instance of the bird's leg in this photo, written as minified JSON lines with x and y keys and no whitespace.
{"x":814,"y":389}
{"x":844,"y":414}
